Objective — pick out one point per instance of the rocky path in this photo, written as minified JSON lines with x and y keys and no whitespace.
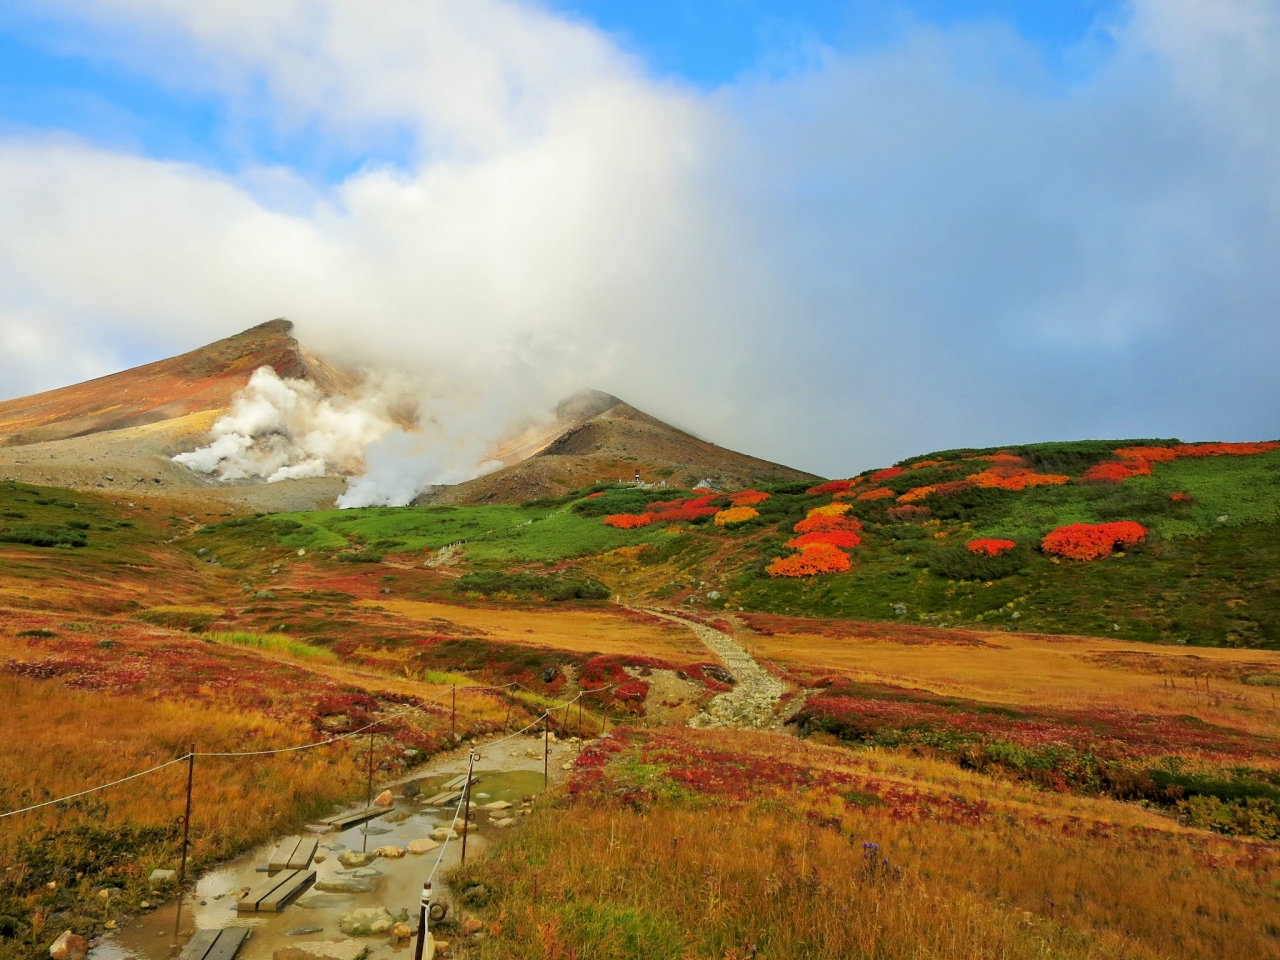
{"x":753,"y":701}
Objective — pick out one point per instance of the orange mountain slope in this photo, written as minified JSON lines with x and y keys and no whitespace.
{"x":204,"y":379}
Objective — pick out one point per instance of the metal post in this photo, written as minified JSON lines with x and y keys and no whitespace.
{"x":368,"y":799}
{"x":579,"y":718}
{"x":186,"y":818}
{"x":453,"y":711}
{"x":546,"y":747}
{"x":506,"y":724}
{"x":466,"y":805}
{"x":424,"y":914}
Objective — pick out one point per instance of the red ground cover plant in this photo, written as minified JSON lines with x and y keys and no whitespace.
{"x":990,"y":546}
{"x":1003,"y":457}
{"x":835,"y":538}
{"x":1149,"y":454}
{"x":748,"y":498}
{"x":1016,"y":478}
{"x":811,"y":561}
{"x":1180,"y":497}
{"x":1165,"y":454}
{"x":828,"y":524}
{"x":666,"y":511}
{"x":888,"y":473}
{"x":1092,"y":541}
{"x":938,"y":489}
{"x":921,"y":464}
{"x":910,"y":512}
{"x":598,"y":493}
{"x":834,"y":486}
{"x":878,"y":494}
{"x":1117,"y":471}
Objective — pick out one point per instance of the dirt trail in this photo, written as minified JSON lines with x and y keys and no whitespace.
{"x":753,"y":701}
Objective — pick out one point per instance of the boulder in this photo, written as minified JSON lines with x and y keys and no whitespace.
{"x":161,"y":877}
{"x":366,"y":922}
{"x":421,"y":846}
{"x":322,"y":950}
{"x":443,"y":833}
{"x":69,"y":946}
{"x":385,"y":799}
{"x":356,"y":858}
{"x":389,"y":852}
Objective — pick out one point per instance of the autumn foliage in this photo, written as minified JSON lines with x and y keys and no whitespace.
{"x":1093,"y":541}
{"x":627,"y":521}
{"x":734,"y":515}
{"x":833,"y":486}
{"x":815,"y":559}
{"x":748,"y":498}
{"x":990,"y":546}
{"x":880,"y":493}
{"x":1117,"y":471}
{"x":825,"y":523}
{"x":834,"y":538}
{"x":1015,"y":478}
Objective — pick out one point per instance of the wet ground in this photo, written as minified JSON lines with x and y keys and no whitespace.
{"x":510,"y":771}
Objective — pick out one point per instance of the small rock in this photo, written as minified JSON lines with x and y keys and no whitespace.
{"x":497,"y":805}
{"x":319,"y":858}
{"x":302,"y":931}
{"x":163,"y":876}
{"x":106,"y":893}
{"x":401,"y":931}
{"x":389,"y":852}
{"x":344,"y":885}
{"x":551,"y":737}
{"x":366,"y":922}
{"x":503,"y":824}
{"x":385,"y":799}
{"x":471,"y":925}
{"x":69,"y":946}
{"x":322,"y":950}
{"x":567,"y":766}
{"x":421,"y":846}
{"x":145,"y":905}
{"x":443,"y":833}
{"x":364,"y":873}
{"x":355,"y":858}
{"x":398,"y":817}
{"x":110,"y":925}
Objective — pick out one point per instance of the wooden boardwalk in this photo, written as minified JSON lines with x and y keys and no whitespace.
{"x":341,"y":821}
{"x":292,"y":853}
{"x":215,"y":944}
{"x":275,"y":893}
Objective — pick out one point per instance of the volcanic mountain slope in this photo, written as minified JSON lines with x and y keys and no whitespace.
{"x":602,"y":438}
{"x":119,"y":431}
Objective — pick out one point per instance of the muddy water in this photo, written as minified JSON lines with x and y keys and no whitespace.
{"x":509,"y":771}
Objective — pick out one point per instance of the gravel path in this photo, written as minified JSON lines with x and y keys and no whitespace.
{"x":753,"y":701}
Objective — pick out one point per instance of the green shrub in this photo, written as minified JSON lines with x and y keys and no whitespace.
{"x":550,"y":587}
{"x":959,"y":563}
{"x":41,"y":536}
{"x":363,"y":557}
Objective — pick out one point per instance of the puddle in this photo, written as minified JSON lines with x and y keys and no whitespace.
{"x":507,"y":772}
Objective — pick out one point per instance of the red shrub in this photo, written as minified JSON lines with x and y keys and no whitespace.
{"x":1180,"y":497}
{"x":1016,"y":478}
{"x":748,"y":498}
{"x":1092,"y":541}
{"x":1117,"y":471}
{"x":835,"y":538}
{"x":1224,"y":449}
{"x":990,"y":546}
{"x":910,"y":512}
{"x":633,"y":690}
{"x":834,"y":486}
{"x":888,"y":473}
{"x":1149,"y":454}
{"x":627,"y":521}
{"x":598,"y":493}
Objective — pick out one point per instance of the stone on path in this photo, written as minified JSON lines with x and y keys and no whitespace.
{"x":344,"y":885}
{"x":163,"y":876}
{"x":385,"y":799}
{"x":503,"y":824}
{"x":356,"y":858}
{"x":443,"y":833}
{"x":69,"y":946}
{"x":422,"y":846}
{"x":366,"y":922}
{"x":389,"y":852}
{"x":322,"y":950}
{"x":401,"y":931}
{"x":301,"y":931}
{"x":497,"y":805}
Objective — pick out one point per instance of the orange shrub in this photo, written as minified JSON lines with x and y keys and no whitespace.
{"x":834,"y":538}
{"x":748,"y":498}
{"x":888,"y":473}
{"x":879,"y":494}
{"x":1224,"y":449}
{"x":810,"y":562}
{"x":627,"y":521}
{"x":990,"y":546}
{"x":735,"y":515}
{"x":1016,"y":478}
{"x":1092,"y":541}
{"x":1180,"y":497}
{"x":828,"y":524}
{"x":1150,"y":454}
{"x":830,"y":510}
{"x":919,"y":493}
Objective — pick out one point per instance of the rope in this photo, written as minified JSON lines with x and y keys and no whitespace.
{"x":134,"y":776}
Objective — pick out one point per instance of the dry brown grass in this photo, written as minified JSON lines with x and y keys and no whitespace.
{"x":576,"y":630}
{"x":1068,"y":673}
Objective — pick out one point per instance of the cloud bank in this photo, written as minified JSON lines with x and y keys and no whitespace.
{"x":931,"y":244}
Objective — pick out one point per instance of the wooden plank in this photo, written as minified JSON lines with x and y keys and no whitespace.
{"x":301,"y":858}
{"x":352,"y":817}
{"x":228,"y":944}
{"x":438,"y":798}
{"x":263,"y":890}
{"x":283,"y":853}
{"x":199,"y":945}
{"x":298,"y":881}
{"x":457,"y":783}
{"x":449,"y":798}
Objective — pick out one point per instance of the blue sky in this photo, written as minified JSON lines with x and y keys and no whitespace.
{"x":55,"y":77}
{"x":831,"y":234}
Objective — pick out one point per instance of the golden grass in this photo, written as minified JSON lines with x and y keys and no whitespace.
{"x":1068,"y":673}
{"x":684,"y":877}
{"x":582,"y":631}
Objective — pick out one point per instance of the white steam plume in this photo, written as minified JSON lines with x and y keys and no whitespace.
{"x":286,"y":429}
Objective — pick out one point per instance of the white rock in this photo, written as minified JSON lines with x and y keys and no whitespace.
{"x":322,"y":950}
